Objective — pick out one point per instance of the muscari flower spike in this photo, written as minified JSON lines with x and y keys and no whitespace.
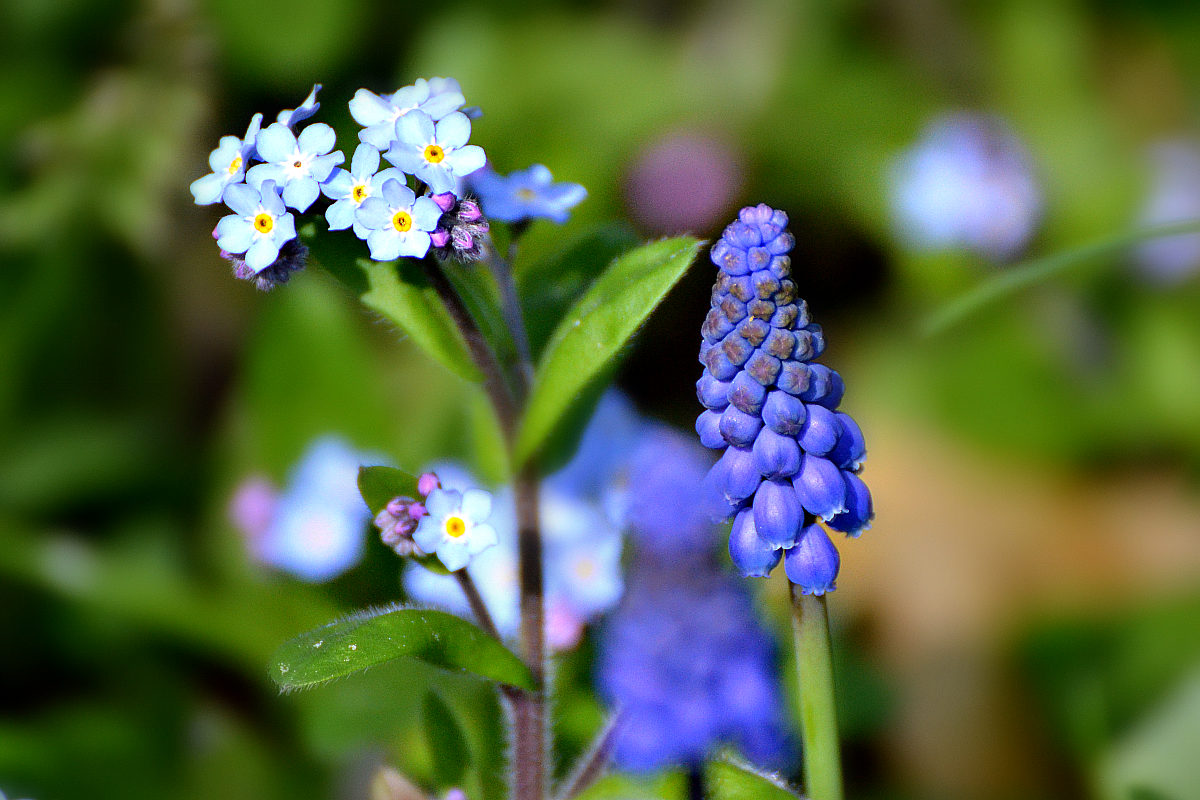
{"x":791,"y":459}
{"x":525,"y":195}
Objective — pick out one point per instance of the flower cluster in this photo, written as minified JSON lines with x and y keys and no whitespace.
{"x":290,"y":169}
{"x":314,"y":528}
{"x":690,"y":669}
{"x":422,"y":131}
{"x":969,"y":183}
{"x":791,"y":459}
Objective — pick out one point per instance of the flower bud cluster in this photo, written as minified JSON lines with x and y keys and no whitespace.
{"x":460,"y":230}
{"x":791,"y":458}
{"x":398,"y":520}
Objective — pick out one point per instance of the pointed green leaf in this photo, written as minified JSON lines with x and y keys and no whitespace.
{"x":378,"y":485}
{"x":729,"y":781}
{"x":447,"y":742}
{"x":1021,"y":276}
{"x":591,"y":335}
{"x":397,"y":290}
{"x":550,"y":286}
{"x":376,"y":636}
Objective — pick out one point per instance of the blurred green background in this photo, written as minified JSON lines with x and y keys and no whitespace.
{"x":1023,"y":621}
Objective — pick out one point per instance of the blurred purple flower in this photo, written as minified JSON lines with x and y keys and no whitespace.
{"x":683,"y":182}
{"x":691,"y":670}
{"x":1174,"y":197}
{"x":315,"y":527}
{"x":969,"y":183}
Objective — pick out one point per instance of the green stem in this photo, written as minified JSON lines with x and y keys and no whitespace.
{"x":1020,"y":276}
{"x":818,"y":709}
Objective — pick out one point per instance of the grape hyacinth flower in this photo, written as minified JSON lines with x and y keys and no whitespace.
{"x":791,"y":459}
{"x":348,"y":189}
{"x":525,"y":195}
{"x":687,"y":664}
{"x":398,"y":223}
{"x":297,"y":164}
{"x":378,"y":114}
{"x":228,"y":164}
{"x":435,"y":152}
{"x":455,"y":526}
{"x":259,"y":226}
{"x":967,"y":183}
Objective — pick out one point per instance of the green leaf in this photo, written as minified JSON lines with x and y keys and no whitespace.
{"x":378,"y":485}
{"x":730,"y":781}
{"x":376,"y":636}
{"x":591,"y":335}
{"x":399,"y":291}
{"x":1014,"y":279}
{"x":550,"y":286}
{"x":447,"y":743}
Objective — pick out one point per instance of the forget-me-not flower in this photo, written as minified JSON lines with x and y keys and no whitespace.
{"x":969,"y":183}
{"x":526,"y":194}
{"x":293,"y":116}
{"x":318,"y":523}
{"x":398,"y":222}
{"x":228,"y":164}
{"x":378,"y":114}
{"x":348,"y":189}
{"x":456,"y":526}
{"x":259,"y":226}
{"x":435,"y":152}
{"x":1174,"y":197}
{"x":297,"y":164}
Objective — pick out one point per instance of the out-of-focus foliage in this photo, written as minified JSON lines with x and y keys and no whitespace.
{"x":139,"y":383}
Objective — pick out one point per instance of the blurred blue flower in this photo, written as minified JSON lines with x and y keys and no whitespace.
{"x":790,"y":457}
{"x":318,"y":524}
{"x":398,"y":222}
{"x":228,"y":164}
{"x":691,"y":670}
{"x":456,"y":526}
{"x":968,"y":182}
{"x":660,"y":495}
{"x":348,"y":189}
{"x":259,"y":226}
{"x":525,"y":195}
{"x":1174,"y":197}
{"x":293,"y":116}
{"x":435,"y":152}
{"x":297,"y":164}
{"x":377,"y":114}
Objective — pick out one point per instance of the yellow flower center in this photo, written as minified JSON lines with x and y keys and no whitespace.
{"x":297,"y":164}
{"x":455,"y":527}
{"x":360,"y":193}
{"x":434,"y":154}
{"x":235,"y":165}
{"x":402,"y":221}
{"x":585,"y":569}
{"x":263,"y":222}
{"x":526,"y":194}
